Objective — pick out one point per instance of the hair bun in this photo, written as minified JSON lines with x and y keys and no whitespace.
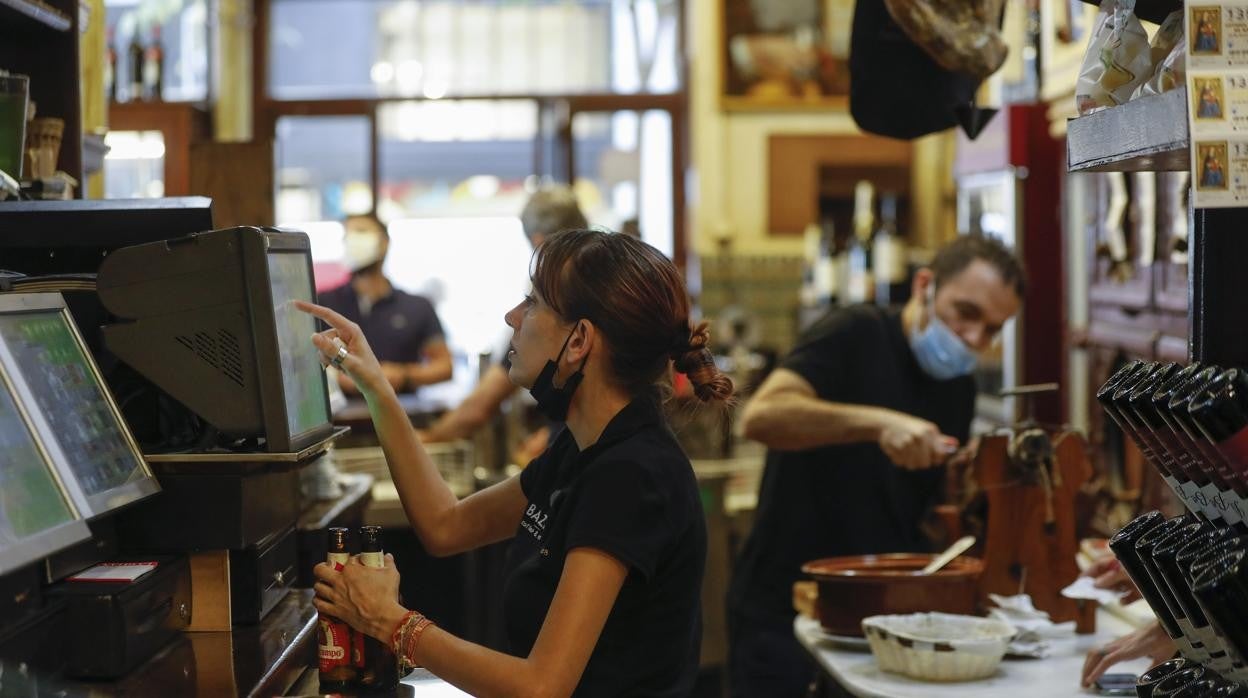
{"x":693,"y":358}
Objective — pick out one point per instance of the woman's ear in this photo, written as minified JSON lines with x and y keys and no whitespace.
{"x":583,"y":338}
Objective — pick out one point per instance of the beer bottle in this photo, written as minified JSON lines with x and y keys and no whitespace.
{"x":378,"y":668}
{"x":337,"y":669}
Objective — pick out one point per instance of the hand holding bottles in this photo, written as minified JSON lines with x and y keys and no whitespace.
{"x":364,"y":597}
{"x":913,"y":443}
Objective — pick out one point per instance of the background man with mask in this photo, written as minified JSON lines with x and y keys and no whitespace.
{"x":857,"y":420}
{"x":403,"y":329}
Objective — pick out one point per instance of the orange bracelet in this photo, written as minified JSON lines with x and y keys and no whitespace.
{"x":398,"y":630}
{"x":411,"y":639}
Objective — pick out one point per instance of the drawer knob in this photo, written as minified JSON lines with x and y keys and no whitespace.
{"x":184,"y":611}
{"x":279,"y":577}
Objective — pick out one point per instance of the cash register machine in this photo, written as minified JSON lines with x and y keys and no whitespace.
{"x":209,"y":320}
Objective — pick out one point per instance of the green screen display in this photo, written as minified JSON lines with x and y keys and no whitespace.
{"x":71,"y":399}
{"x":303,"y":379}
{"x":30,"y":499}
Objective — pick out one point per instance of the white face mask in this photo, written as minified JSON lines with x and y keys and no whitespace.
{"x":361,"y":249}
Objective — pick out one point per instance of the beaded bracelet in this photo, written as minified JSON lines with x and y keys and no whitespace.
{"x":398,"y":630}
{"x":406,"y":637}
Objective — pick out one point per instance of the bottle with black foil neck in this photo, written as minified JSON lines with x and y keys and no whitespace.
{"x":1202,"y":482}
{"x":1116,"y":406}
{"x":1188,"y":456}
{"x":1220,"y":411}
{"x":1148,"y":680}
{"x":1230,"y":500}
{"x":1197,"y":624}
{"x":1169,"y":457}
{"x":1123,"y":546}
{"x":1222,"y":588}
{"x":1173,"y":683}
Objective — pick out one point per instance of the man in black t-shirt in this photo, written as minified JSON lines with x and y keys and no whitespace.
{"x":403,"y":329}
{"x":858,"y":420}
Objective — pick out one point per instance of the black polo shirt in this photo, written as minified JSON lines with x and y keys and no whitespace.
{"x":849,"y":499}
{"x":397,"y":327}
{"x":632,"y":495}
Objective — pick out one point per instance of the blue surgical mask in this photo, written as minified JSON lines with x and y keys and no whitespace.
{"x":941,"y":353}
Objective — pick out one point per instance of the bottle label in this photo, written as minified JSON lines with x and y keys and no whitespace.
{"x":333,"y":645}
{"x":1229,"y":505}
{"x":338,"y":560}
{"x":1176,"y":488}
{"x":377,"y":559}
{"x":1194,"y":498}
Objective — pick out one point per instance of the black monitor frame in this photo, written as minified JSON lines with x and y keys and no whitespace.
{"x":210,"y":289}
{"x":99,"y":503}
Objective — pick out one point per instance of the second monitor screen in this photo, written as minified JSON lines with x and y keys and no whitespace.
{"x":303,"y":379}
{"x":71,"y":399}
{"x":31,"y":501}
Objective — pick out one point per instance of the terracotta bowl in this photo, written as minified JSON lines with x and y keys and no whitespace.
{"x":852,"y":588}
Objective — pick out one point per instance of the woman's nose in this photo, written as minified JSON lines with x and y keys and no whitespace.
{"x":510,"y":318}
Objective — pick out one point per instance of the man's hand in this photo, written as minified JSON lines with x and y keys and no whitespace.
{"x":1108,"y":574}
{"x":913,"y":443}
{"x":1151,"y":641}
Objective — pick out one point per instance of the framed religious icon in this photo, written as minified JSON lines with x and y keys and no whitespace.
{"x":786,"y":54}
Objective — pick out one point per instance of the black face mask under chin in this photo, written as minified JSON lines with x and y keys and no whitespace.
{"x":551,"y":401}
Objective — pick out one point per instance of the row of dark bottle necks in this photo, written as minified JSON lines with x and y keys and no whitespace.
{"x":1191,"y":424}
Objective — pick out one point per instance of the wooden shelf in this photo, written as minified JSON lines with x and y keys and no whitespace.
{"x":28,"y":11}
{"x":1154,"y":11}
{"x":1147,"y":134}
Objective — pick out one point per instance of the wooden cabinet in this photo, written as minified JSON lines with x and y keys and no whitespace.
{"x":39,"y":38}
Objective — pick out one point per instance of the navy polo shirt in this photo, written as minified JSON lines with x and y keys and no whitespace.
{"x":397,"y":327}
{"x":632,"y":495}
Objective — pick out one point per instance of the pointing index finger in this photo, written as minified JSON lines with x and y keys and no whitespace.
{"x":331,"y":317}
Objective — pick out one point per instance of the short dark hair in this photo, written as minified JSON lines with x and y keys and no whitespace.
{"x":371,"y":218}
{"x":955,"y":257}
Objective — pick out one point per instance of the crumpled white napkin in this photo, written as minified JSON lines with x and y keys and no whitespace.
{"x":1085,"y":588}
{"x":1033,"y":625}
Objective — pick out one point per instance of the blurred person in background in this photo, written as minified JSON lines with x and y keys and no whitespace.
{"x":548,"y":211}
{"x":403,"y":329}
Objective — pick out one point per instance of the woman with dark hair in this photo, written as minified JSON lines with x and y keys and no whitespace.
{"x":604,"y":574}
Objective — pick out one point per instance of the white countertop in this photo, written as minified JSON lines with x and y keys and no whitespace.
{"x":1054,"y":677}
{"x":426,"y":685}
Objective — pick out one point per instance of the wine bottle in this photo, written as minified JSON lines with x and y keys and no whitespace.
{"x":1188,"y":643}
{"x":1222,"y":589}
{"x":888,"y":252}
{"x":1197,"y":624}
{"x":1220,"y":412}
{"x":1123,"y":546}
{"x":1148,"y":680}
{"x":1167,"y":687}
{"x":1177,"y":409}
{"x":1193,"y":453}
{"x":861,"y":285}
